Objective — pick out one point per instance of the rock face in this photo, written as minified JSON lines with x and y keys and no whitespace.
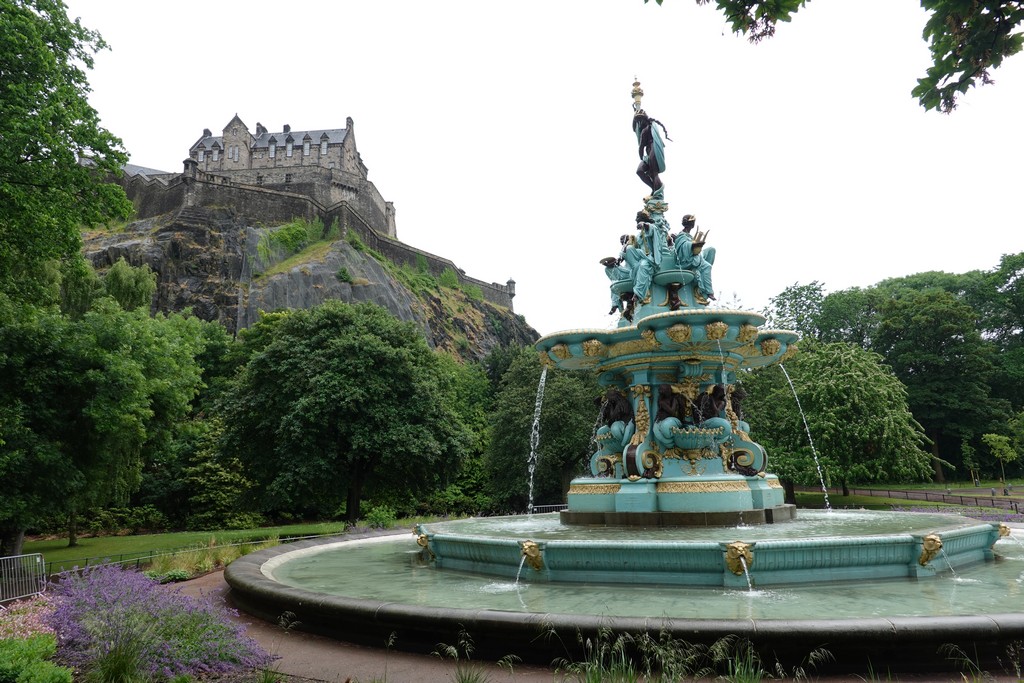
{"x":208,"y":260}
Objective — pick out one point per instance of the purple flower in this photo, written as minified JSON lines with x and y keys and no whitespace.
{"x":108,"y":611}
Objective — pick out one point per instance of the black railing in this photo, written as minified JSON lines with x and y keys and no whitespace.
{"x":930,"y":496}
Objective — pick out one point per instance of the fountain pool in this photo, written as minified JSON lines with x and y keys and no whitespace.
{"x":365,"y":589}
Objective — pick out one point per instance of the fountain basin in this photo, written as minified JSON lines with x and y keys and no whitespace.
{"x":364,"y":590}
{"x":939,"y":543}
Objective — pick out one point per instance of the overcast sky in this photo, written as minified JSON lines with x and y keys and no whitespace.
{"x":501,"y":131}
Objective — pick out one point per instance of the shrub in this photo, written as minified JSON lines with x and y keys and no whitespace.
{"x":381,"y":517}
{"x":25,"y":661}
{"x":449,"y":278}
{"x":343,"y":275}
{"x":111,"y":622}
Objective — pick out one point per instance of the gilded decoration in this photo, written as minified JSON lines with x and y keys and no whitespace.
{"x":702,"y":486}
{"x":606,"y":465}
{"x":546,"y":361}
{"x":641,"y":393}
{"x":930,"y":547}
{"x":652,"y":461}
{"x":646,"y":342}
{"x":717,"y":330}
{"x":561,"y":351}
{"x":791,"y":351}
{"x":593,"y":348}
{"x":532,"y":553}
{"x":424,"y":543}
{"x":770,"y":347}
{"x":739,"y":557}
{"x":593,"y":489}
{"x":772,"y":483}
{"x":679,"y":333}
{"x":730,"y":413}
{"x":745,"y":351}
{"x":747,"y":333}
{"x":1004,"y":530}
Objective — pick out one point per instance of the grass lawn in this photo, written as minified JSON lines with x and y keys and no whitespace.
{"x":142,"y":545}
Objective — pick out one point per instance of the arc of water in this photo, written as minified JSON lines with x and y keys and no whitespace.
{"x":810,"y":439}
{"x":949,"y":564}
{"x":746,"y":573}
{"x":531,"y":463}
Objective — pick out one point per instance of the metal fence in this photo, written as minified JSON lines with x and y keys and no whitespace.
{"x":140,"y":560}
{"x":21,"y":576}
{"x":930,"y":495}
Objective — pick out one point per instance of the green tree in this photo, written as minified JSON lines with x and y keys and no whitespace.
{"x":55,"y":155}
{"x":966,"y":39}
{"x":84,"y":402}
{"x":568,"y":414}
{"x":1002,"y":450}
{"x":797,"y":308}
{"x":337,"y":403}
{"x":131,"y":287}
{"x":931,"y":341}
{"x":855,"y":409}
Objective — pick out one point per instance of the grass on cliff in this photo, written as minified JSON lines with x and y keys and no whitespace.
{"x":314,"y":252}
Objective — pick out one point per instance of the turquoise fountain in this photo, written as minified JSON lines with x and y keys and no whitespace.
{"x":677,"y":525}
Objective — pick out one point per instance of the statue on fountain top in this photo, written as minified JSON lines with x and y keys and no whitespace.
{"x":653,"y":256}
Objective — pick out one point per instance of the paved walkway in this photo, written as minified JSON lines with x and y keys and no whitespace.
{"x":313,"y":657}
{"x":307,"y":657}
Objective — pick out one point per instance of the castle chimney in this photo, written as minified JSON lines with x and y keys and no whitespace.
{"x":206,"y":132}
{"x":287,"y":128}
{"x":260,"y":130}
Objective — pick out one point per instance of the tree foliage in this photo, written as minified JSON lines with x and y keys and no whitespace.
{"x":54,"y":154}
{"x":338,"y":402}
{"x":966,"y":39}
{"x":856,"y":411}
{"x":567,"y":417}
{"x":84,"y":401}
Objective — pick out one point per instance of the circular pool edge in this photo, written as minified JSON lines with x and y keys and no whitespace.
{"x":896,"y":644}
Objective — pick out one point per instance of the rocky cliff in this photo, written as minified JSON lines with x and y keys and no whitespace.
{"x":210,"y":260}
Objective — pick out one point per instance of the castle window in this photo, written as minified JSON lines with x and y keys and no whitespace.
{"x":273,"y":150}
{"x":236,"y":153}
{"x":287,"y":177}
{"x":202,"y":155}
{"x":259,"y":180}
{"x":288,"y":149}
{"x":323,"y":148}
{"x":216,"y":153}
{"x":305,"y":148}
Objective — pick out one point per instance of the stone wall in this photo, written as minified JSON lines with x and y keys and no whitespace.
{"x":353,"y":202}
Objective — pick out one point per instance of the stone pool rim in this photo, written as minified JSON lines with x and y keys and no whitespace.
{"x":897,"y":644}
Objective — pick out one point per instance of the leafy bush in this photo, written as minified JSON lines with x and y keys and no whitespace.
{"x":449,"y":278}
{"x":381,"y":517}
{"x":343,"y":275}
{"x":134,"y":519}
{"x":111,"y":622}
{"x":25,"y":661}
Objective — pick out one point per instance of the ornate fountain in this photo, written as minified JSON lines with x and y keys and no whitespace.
{"x":678,"y":501}
{"x":674,"y":448}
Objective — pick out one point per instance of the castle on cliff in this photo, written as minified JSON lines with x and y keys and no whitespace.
{"x":272,"y":178}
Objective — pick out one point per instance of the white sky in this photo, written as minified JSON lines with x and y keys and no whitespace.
{"x":501,"y":131}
